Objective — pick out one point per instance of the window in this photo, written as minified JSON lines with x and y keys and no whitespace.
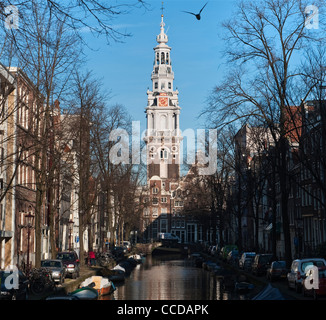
{"x":155,"y":212}
{"x":169,"y":85}
{"x":146,"y":212}
{"x":155,"y":200}
{"x":155,"y":190}
{"x":164,"y":154}
{"x":163,"y":200}
{"x":164,"y":211}
{"x":163,"y":225}
{"x":178,"y":203}
{"x":156,"y":85}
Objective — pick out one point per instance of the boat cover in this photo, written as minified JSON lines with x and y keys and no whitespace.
{"x":269,"y":293}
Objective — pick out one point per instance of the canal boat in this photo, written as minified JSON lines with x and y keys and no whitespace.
{"x":137,"y":257}
{"x":114,"y":275}
{"x":102,"y":284}
{"x":243,"y":287}
{"x":166,"y":250}
{"x":85,"y":293}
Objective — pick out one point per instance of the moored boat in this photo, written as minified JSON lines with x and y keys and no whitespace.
{"x":117,"y":276}
{"x":137,"y":257}
{"x":102,"y":285}
{"x":85,"y":293}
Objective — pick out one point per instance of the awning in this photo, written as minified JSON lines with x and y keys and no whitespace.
{"x":6,"y":234}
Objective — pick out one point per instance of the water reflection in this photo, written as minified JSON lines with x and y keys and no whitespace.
{"x":171,"y":278}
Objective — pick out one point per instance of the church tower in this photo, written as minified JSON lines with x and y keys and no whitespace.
{"x":162,"y":112}
{"x":162,"y":140}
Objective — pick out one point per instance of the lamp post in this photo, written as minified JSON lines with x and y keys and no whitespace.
{"x":71,"y":223}
{"x":29,"y":219}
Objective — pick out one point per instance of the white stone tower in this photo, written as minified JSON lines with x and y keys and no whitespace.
{"x":163,"y":132}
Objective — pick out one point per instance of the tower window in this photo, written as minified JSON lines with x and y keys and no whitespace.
{"x":155,"y":85}
{"x":164,"y":154}
{"x":167,"y":58}
{"x":162,"y":58}
{"x":170,"y":85}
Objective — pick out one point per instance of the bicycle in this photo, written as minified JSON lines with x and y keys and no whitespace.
{"x":41,"y":280}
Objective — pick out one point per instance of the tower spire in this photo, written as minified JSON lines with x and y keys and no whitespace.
{"x":162,"y":37}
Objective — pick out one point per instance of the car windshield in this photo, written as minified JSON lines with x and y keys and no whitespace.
{"x":51,"y":264}
{"x":65,"y":256}
{"x":265,"y":258}
{"x":322,"y":273}
{"x":317,"y":263}
{"x":279,"y":264}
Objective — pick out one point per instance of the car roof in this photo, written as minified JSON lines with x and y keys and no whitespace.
{"x":57,"y":260}
{"x":60,"y":252}
{"x":310,"y":259}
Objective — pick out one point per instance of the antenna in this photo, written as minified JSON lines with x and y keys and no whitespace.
{"x":162,"y":8}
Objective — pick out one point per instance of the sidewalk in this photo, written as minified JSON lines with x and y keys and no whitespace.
{"x":69,"y":285}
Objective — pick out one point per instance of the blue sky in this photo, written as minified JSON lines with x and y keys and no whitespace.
{"x":197,"y":61}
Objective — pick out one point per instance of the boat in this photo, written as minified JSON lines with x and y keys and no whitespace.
{"x":166,"y":250}
{"x":137,"y":257}
{"x":102,"y":285}
{"x":269,"y":293}
{"x":116,"y":276}
{"x":85,"y":293}
{"x":243,"y":287}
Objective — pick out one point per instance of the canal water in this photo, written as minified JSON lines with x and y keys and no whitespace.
{"x":172,"y":278}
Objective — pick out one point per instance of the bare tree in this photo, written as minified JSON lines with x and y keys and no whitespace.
{"x":262,"y":41}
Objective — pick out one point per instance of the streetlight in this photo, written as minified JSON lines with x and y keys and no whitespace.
{"x":71,"y":223}
{"x":29,"y":219}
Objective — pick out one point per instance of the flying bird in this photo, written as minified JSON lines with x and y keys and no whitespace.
{"x":198,"y":14}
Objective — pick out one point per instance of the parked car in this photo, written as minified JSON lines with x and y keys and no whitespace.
{"x":233,"y":257}
{"x":307,"y":288}
{"x":226,"y":249}
{"x":166,"y":236}
{"x":127,"y":245}
{"x":71,"y":263}
{"x":246,"y":260}
{"x":298,"y":266}
{"x":57,"y":268}
{"x":9,"y":292}
{"x":277,"y":271}
{"x":213,"y":250}
{"x":261,"y":263}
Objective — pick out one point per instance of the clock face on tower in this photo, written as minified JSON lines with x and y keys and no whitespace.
{"x":163,"y":102}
